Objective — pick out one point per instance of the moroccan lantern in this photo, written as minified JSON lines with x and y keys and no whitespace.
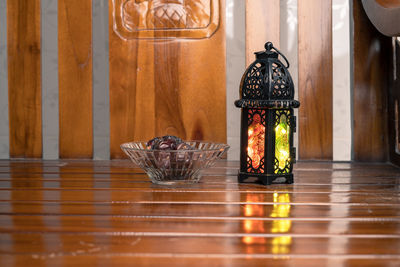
{"x":268,"y":121}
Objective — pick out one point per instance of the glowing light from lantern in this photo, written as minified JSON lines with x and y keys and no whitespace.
{"x":281,"y":209}
{"x":251,"y":225}
{"x":282,"y":145}
{"x":256,"y":140}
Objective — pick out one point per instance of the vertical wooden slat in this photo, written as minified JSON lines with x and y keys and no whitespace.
{"x":167,"y":86}
{"x":125,"y":111}
{"x":371,"y":75}
{"x":315,"y":79}
{"x":75,"y":78}
{"x":24,"y":83}
{"x":262,"y":25}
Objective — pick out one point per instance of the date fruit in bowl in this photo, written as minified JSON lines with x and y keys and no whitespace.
{"x":164,"y":143}
{"x":168,"y":160}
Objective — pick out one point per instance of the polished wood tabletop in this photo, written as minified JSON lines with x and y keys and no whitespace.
{"x":106,"y":213}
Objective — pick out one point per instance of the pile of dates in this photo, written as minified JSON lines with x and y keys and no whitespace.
{"x":168,"y":159}
{"x":167,"y":142}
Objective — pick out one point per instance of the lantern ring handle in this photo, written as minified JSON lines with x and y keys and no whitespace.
{"x":268,"y":46}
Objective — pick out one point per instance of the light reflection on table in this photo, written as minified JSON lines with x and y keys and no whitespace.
{"x":280,"y":210}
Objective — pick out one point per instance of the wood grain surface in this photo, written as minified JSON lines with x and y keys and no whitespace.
{"x":371,"y":80}
{"x":315,"y":79}
{"x":91,"y":212}
{"x":167,"y":86}
{"x":262,"y":25}
{"x":24,"y":78}
{"x":124,"y":104}
{"x":75,"y":78}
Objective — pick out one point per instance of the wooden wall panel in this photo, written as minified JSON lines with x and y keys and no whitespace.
{"x":262,"y":25}
{"x":24,"y":78}
{"x":371,"y":69}
{"x":167,"y":85}
{"x":169,"y":109}
{"x":75,"y":78}
{"x":132,"y":114}
{"x":203,"y":85}
{"x":394,"y":105}
{"x":315,"y":79}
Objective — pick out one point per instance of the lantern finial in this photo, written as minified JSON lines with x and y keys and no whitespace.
{"x":268,"y":46}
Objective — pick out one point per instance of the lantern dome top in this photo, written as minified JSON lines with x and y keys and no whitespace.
{"x":267,"y":83}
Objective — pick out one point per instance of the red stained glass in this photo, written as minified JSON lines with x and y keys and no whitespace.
{"x":256,"y":141}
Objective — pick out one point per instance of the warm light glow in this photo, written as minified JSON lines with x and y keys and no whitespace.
{"x":248,"y":240}
{"x":282,"y":149}
{"x":280,"y":244}
{"x":253,"y":226}
{"x":281,"y":209}
{"x":256,"y":140}
{"x":250,"y":132}
{"x":281,"y":226}
{"x":248,"y":210}
{"x":248,"y":226}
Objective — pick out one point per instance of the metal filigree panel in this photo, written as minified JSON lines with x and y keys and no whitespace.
{"x":252,"y":84}
{"x":165,"y":18}
{"x":281,"y":82}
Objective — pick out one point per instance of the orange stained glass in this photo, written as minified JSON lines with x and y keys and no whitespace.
{"x":256,"y":141}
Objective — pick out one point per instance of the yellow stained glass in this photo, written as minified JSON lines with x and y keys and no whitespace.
{"x":282,"y":146}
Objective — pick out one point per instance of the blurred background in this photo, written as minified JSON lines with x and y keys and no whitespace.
{"x":75,"y":81}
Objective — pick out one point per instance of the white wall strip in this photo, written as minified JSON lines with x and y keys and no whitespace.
{"x":4,"y":130}
{"x":341,"y":80}
{"x":50,"y":78}
{"x":101,"y":107}
{"x":235,"y":67}
{"x":289,"y":47}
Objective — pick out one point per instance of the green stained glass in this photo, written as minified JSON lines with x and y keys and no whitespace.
{"x":282,"y":146}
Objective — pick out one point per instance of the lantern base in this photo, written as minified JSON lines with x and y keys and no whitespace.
{"x":265,"y":179}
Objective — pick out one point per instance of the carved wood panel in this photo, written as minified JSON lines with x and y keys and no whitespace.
{"x":165,"y":18}
{"x":161,"y":82}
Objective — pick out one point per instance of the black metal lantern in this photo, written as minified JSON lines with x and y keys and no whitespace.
{"x":268,"y":121}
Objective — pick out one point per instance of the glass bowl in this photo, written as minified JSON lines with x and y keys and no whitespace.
{"x":169,"y":167}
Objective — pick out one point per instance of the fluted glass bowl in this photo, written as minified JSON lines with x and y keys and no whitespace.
{"x":169,"y":167}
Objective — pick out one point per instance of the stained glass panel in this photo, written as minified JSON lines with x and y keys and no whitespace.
{"x":282,"y":142}
{"x":256,"y":141}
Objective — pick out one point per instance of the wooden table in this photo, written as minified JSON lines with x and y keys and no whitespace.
{"x":108,"y":213}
